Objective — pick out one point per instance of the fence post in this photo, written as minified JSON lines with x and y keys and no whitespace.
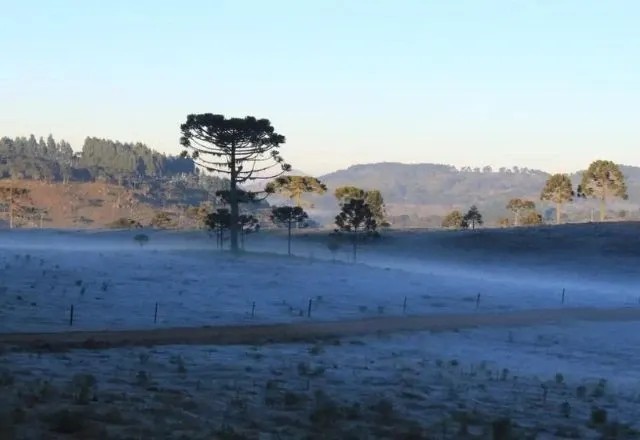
{"x":404,"y":305}
{"x":253,"y":309}
{"x":478,"y":301}
{"x":71,"y":316}
{"x":309,"y":309}
{"x":563,"y":295}
{"x":155,"y":314}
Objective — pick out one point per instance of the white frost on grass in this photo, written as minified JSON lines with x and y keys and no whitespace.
{"x":427,"y":377}
{"x":113,"y":283}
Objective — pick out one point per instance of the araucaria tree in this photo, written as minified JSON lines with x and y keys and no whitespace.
{"x":373,"y":198}
{"x":558,"y":190}
{"x":295,"y":186}
{"x":242,"y":149}
{"x":288,"y":216}
{"x":518,"y":207}
{"x":603,"y":180}
{"x":356,"y":218}
{"x":473,"y":217}
{"x":218,"y":222}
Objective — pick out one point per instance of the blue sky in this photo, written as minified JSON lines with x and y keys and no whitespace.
{"x":549,"y":84}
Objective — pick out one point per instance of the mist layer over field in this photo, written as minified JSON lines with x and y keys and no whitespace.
{"x":113,"y":282}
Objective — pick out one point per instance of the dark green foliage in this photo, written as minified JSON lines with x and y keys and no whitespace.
{"x":373,"y":199}
{"x":473,"y":217}
{"x":116,"y":161}
{"x":218,"y":222}
{"x":242,"y":196}
{"x":356,"y":216}
{"x":220,"y":219}
{"x":242,"y":149}
{"x":27,"y":158}
{"x":356,"y":219}
{"x":104,"y":159}
{"x":288,"y":216}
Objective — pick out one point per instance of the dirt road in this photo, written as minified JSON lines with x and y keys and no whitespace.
{"x":302,"y":332}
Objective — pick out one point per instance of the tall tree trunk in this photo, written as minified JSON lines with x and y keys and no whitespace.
{"x":558,"y":205}
{"x":233,"y":201}
{"x":289,"y":242}
{"x":355,"y":245}
{"x":603,"y":207}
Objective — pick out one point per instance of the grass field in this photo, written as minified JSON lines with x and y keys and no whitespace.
{"x":556,"y":375}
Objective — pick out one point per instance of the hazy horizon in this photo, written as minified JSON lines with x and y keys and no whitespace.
{"x":542,"y":85}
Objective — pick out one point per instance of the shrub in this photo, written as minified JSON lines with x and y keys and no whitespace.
{"x":124,"y":223}
{"x":598,"y":416}
{"x":141,"y":239}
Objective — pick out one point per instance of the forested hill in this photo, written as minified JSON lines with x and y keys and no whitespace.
{"x":99,"y":159}
{"x":430,"y":190}
{"x":439,"y":184}
{"x":434,"y":183}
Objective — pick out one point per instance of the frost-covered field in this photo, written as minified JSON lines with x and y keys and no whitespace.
{"x":113,"y":283}
{"x":575,"y":380}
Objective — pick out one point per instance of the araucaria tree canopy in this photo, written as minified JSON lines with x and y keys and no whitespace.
{"x":242,"y":149}
{"x":603,"y":180}
{"x":558,"y":190}
{"x":295,"y":186}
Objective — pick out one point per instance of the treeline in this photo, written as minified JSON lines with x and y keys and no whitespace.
{"x":100,"y":159}
{"x":603,"y":182}
{"x":29,"y":158}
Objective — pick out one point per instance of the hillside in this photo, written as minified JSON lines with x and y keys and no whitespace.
{"x":79,"y":204}
{"x":416,"y":195}
{"x":430,"y":190}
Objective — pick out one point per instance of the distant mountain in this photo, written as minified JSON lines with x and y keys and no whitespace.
{"x":430,"y":190}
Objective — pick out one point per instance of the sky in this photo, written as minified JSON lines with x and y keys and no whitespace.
{"x":546,"y":84}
